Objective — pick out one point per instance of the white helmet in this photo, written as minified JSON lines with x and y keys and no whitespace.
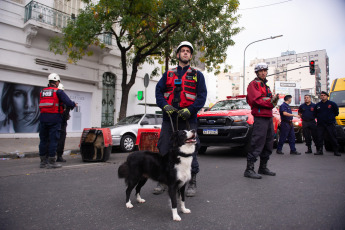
{"x":261,"y":66}
{"x":53,"y":77}
{"x":185,"y":43}
{"x":61,"y":86}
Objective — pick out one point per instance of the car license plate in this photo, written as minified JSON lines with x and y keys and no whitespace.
{"x":210,"y":131}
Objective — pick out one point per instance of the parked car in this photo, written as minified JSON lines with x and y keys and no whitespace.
{"x":297,"y":126}
{"x":124,"y":133}
{"x":229,"y":123}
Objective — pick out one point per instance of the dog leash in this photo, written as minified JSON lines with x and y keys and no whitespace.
{"x":172,"y":124}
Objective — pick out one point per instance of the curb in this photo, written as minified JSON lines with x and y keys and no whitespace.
{"x":16,"y":155}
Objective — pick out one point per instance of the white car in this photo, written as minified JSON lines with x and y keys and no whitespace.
{"x":124,"y":133}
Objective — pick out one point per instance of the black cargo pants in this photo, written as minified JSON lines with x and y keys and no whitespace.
{"x":262,"y":139}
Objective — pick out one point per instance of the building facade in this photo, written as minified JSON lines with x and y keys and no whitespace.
{"x":25,"y":63}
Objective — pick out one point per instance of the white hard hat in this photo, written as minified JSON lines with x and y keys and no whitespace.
{"x":261,"y":66}
{"x":185,"y":43}
{"x":53,"y":77}
{"x":61,"y":86}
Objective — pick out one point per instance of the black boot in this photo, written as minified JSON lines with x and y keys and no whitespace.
{"x":336,"y":153}
{"x":44,"y":161}
{"x":295,"y":152}
{"x":309,"y":150}
{"x":250,"y":171}
{"x":264,"y":170}
{"x":319,"y":152}
{"x":52,"y":164}
{"x":191,"y":190}
{"x":60,"y":159}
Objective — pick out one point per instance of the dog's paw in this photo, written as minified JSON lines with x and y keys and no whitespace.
{"x":129,"y":204}
{"x":185,"y":210}
{"x":176,"y":217}
{"x":140,"y":200}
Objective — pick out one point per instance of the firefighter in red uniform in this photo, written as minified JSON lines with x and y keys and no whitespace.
{"x":180,"y":92}
{"x":51,"y":107}
{"x":259,"y":97}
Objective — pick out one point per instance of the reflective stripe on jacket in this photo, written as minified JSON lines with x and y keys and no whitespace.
{"x":186,"y":90}
{"x":49,"y":101}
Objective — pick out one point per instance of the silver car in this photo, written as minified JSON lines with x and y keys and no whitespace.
{"x":124,"y":133}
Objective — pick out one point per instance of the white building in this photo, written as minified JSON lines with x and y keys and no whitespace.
{"x":25,"y":62}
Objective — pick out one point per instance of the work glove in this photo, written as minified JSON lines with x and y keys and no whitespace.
{"x":184,"y":113}
{"x":275,"y":99}
{"x":169,"y":109}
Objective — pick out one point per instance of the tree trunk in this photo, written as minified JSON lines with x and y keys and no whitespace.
{"x":124,"y":102}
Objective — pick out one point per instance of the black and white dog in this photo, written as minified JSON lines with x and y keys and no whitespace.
{"x":173,"y":170}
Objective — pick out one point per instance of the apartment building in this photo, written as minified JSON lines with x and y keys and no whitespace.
{"x":25,"y":63}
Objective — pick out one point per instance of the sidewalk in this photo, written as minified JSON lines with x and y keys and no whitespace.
{"x":28,"y":147}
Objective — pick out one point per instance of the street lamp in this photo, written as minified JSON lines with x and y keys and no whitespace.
{"x":244,"y":57}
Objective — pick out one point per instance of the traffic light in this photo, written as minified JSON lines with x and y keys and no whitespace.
{"x":312,"y":67}
{"x":140,"y":95}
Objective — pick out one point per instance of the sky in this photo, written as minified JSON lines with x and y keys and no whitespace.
{"x":306,"y":25}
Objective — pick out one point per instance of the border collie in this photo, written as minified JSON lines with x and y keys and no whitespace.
{"x":173,"y":169}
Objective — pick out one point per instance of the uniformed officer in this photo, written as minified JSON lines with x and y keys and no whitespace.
{"x":51,"y":101}
{"x":261,"y":101}
{"x":286,"y":127}
{"x":180,"y":92}
{"x":325,"y":112}
{"x":306,"y":111}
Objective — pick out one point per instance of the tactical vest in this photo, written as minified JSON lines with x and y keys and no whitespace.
{"x":186,"y":88}
{"x":49,"y":101}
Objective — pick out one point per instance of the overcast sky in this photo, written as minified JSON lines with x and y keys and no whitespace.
{"x":306,"y":25}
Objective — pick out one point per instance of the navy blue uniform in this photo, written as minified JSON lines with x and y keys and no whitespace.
{"x":286,"y":128}
{"x":50,"y":127}
{"x":325,"y":112}
{"x":61,"y":143}
{"x":164,"y":143}
{"x":308,"y":123}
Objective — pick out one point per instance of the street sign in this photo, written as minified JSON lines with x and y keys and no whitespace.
{"x":146,"y":80}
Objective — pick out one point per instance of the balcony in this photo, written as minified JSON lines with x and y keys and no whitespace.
{"x":50,"y":16}
{"x":45,"y":14}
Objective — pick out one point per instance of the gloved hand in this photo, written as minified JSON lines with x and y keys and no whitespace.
{"x":184,"y":113}
{"x":275,"y":99}
{"x":169,"y":109}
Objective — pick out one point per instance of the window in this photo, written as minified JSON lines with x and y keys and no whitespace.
{"x":273,"y":62}
{"x":267,"y":63}
{"x":292,"y":60}
{"x":305,"y":58}
{"x":316,"y":55}
{"x":298,"y":59}
{"x":150,"y":118}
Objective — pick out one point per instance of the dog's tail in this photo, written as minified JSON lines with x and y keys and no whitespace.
{"x":123,"y":170}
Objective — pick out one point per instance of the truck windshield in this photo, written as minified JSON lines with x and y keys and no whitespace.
{"x":338,"y":97}
{"x":230,"y":105}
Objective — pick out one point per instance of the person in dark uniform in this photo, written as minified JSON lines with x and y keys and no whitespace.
{"x":261,"y":101}
{"x":180,"y":92}
{"x":286,"y":127}
{"x":306,"y":111}
{"x":65,"y":117}
{"x":325,"y":112}
{"x":51,"y":101}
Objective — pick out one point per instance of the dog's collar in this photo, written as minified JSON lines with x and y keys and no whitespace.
{"x":185,"y":155}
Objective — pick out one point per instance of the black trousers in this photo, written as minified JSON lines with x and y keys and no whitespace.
{"x":61,"y":143}
{"x":262,"y":139}
{"x":164,"y":142}
{"x":329,"y":130}
{"x":310,"y":132}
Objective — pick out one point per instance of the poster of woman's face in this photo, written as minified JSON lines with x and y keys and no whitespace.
{"x":19,"y":111}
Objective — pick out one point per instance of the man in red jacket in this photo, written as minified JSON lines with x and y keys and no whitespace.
{"x":259,"y":97}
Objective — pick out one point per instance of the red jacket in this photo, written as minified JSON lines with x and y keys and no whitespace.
{"x":49,"y":101}
{"x":259,"y":98}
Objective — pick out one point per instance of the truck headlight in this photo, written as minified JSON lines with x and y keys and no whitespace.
{"x":239,"y":118}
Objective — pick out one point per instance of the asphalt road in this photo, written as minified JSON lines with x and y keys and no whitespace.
{"x":307,"y":193}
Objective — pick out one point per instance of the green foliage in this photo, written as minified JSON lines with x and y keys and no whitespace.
{"x":145,"y":30}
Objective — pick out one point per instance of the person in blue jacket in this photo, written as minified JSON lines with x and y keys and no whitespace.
{"x":51,"y":108}
{"x":180,"y":92}
{"x":306,"y":111}
{"x":286,"y":127}
{"x":325,"y":113}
